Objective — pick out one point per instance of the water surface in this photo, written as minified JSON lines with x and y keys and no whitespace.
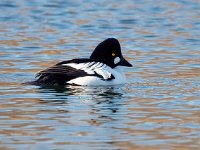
{"x":158,"y":108}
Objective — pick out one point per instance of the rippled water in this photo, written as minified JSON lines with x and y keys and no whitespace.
{"x":159,"y":107}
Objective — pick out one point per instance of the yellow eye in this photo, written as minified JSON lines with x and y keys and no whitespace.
{"x":113,"y":54}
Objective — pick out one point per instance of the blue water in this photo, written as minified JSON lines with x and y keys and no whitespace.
{"x":158,"y":108}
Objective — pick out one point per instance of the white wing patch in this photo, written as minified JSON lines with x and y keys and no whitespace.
{"x":93,"y":68}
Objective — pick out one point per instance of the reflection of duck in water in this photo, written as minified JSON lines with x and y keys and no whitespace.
{"x":100,"y":69}
{"x":100,"y":94}
{"x":96,"y":105}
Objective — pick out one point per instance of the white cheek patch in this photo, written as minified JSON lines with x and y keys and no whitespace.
{"x":116,"y":60}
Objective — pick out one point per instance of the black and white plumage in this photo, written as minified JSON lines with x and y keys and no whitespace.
{"x":100,"y":69}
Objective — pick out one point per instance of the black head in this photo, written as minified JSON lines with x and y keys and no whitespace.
{"x":109,"y":52}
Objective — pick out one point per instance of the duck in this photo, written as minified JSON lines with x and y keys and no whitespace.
{"x":101,"y":68}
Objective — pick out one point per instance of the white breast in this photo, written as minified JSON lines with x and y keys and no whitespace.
{"x":100,"y":69}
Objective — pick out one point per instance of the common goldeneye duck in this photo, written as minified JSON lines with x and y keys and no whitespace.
{"x":100,"y":69}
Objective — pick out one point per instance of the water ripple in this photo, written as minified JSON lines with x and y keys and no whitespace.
{"x":157,"y":109}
